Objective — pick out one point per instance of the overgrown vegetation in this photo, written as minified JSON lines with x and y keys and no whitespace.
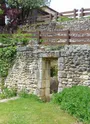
{"x":7,"y":54}
{"x":76,"y":101}
{"x":1,"y":11}
{"x":15,"y":38}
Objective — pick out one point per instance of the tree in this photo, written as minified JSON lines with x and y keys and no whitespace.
{"x":26,"y":5}
{"x":1,"y":11}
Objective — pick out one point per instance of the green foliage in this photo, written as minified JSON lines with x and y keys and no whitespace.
{"x":64,"y":18}
{"x":76,"y":101}
{"x":5,"y":38}
{"x":15,"y":38}
{"x":26,"y":4}
{"x":53,"y":71}
{"x":1,"y":11}
{"x":23,"y":93}
{"x":23,"y":38}
{"x":7,"y":93}
{"x":7,"y":56}
{"x":41,"y":40}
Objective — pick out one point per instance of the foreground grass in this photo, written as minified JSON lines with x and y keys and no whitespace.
{"x":30,"y":111}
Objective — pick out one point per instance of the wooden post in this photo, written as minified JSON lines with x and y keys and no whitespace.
{"x":56,"y":16}
{"x":50,"y":16}
{"x":75,"y":13}
{"x":68,"y":37}
{"x":38,"y":37}
{"x":82,"y":12}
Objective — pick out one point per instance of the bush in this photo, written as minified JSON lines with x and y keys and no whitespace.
{"x":76,"y":101}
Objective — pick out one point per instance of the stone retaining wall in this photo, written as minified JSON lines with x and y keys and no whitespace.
{"x":23,"y":75}
{"x":32,"y":68}
{"x":74,"y":66}
{"x":75,"y":24}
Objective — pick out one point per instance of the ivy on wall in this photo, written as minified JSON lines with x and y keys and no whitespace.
{"x":7,"y":54}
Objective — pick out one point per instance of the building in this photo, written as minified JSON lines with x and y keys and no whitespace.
{"x":15,"y":18}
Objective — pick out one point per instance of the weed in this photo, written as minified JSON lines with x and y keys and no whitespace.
{"x":7,"y":93}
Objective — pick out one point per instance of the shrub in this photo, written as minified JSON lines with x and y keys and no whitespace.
{"x":76,"y":101}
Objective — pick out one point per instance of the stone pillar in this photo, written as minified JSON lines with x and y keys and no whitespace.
{"x":44,"y":79}
{"x":41,"y":84}
{"x":60,"y":71}
{"x":47,"y":80}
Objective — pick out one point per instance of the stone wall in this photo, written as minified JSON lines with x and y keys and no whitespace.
{"x":75,"y":24}
{"x":74,"y":66}
{"x":24,"y":71}
{"x":32,"y":68}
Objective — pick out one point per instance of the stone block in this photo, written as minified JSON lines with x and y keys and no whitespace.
{"x":70,"y":80}
{"x":62,"y":74}
{"x":61,"y":60}
{"x":64,"y":82}
{"x":61,"y":66}
{"x":84,"y":77}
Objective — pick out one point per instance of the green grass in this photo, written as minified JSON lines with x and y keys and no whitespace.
{"x":32,"y":111}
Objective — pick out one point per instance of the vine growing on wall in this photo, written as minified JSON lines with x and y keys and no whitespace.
{"x":7,"y":54}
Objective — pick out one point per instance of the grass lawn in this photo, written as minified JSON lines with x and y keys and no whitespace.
{"x":30,"y":111}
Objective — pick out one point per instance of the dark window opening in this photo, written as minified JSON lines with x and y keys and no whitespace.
{"x":54,"y":77}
